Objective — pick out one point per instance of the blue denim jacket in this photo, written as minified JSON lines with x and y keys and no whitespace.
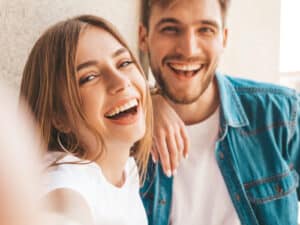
{"x":258,"y":153}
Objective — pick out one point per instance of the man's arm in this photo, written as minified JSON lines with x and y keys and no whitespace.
{"x":294,"y":144}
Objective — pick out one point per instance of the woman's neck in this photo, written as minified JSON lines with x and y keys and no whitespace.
{"x":113,"y":164}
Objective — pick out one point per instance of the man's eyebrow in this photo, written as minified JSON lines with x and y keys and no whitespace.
{"x":86,"y":64}
{"x":175,"y":21}
{"x":167,"y":20}
{"x":210,"y":22}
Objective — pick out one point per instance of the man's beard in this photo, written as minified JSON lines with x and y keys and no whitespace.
{"x":174,"y":97}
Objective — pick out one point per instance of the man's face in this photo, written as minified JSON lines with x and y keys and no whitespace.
{"x":184,"y":42}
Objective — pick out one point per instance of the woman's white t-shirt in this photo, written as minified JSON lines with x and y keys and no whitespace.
{"x":109,"y":205}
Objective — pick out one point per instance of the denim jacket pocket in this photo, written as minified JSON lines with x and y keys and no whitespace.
{"x":272,"y":188}
{"x":274,"y":199}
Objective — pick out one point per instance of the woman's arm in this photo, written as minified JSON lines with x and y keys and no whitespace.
{"x":69,"y":206}
{"x":170,"y":137}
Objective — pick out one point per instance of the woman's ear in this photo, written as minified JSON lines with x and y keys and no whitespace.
{"x":60,"y":125}
{"x":143,"y":38}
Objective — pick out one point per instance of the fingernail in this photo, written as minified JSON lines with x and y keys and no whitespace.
{"x":169,"y":174}
{"x":174,"y":172}
{"x":153,"y":159}
{"x":186,"y":156}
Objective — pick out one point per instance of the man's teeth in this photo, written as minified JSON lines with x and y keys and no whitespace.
{"x":122,"y":108}
{"x":186,"y":67}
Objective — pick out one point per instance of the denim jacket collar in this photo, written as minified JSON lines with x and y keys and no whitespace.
{"x":232,"y":111}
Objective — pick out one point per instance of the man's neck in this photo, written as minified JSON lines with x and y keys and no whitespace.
{"x":200,"y":109}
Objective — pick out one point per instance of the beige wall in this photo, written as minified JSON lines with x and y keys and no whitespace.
{"x":253,"y":44}
{"x":22,"y":21}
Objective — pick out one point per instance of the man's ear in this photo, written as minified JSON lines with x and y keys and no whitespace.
{"x":143,"y":38}
{"x":225,"y":36}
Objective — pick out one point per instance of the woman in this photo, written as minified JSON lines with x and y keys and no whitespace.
{"x":89,"y":96}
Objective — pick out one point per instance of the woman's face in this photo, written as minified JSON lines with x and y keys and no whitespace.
{"x":111,"y":87}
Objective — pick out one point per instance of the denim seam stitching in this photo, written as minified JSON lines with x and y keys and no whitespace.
{"x":244,"y":218}
{"x":269,"y":127}
{"x":251,"y":184}
{"x":266,"y":90}
{"x":274,"y":197}
{"x":293,"y":119}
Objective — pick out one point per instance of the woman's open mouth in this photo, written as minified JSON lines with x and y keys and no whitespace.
{"x":125,"y":113}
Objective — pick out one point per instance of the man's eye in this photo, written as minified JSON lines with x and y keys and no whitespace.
{"x":206,"y":30}
{"x":170,"y":30}
{"x":87,"y":78}
{"x":126,"y":63}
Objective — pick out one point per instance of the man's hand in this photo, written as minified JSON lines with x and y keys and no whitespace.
{"x":170,"y":137}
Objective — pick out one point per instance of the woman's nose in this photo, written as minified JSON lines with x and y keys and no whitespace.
{"x":118,"y":82}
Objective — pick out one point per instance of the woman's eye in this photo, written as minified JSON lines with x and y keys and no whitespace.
{"x":126,"y":63}
{"x":87,"y":78}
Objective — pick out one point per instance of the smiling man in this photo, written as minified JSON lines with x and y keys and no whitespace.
{"x":244,"y":158}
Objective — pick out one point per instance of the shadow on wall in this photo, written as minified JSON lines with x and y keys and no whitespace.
{"x":22,"y":22}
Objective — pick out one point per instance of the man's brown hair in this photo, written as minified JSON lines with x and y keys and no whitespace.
{"x":148,"y":4}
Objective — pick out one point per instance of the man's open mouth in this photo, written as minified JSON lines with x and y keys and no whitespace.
{"x":186,"y":69}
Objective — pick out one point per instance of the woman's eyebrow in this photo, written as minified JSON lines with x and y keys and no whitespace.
{"x":119,"y":52}
{"x":94,"y":62}
{"x":86,"y":64}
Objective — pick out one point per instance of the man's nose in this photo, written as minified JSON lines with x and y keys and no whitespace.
{"x":189,"y":44}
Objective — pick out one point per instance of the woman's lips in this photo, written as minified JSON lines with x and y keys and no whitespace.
{"x":124,"y":113}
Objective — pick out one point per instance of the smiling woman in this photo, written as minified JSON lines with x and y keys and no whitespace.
{"x":89,"y":97}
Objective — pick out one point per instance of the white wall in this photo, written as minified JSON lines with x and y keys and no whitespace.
{"x":254,"y":38}
{"x":22,"y":21}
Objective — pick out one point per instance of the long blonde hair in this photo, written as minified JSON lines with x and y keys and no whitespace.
{"x":49,"y":81}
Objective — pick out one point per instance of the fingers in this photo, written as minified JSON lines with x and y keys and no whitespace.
{"x":169,"y":148}
{"x":154,"y":153}
{"x":170,"y":137}
{"x":186,"y":143}
{"x":180,"y":146}
{"x":163,"y":152}
{"x":173,"y":152}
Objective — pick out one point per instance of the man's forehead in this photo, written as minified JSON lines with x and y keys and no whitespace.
{"x":164,"y":4}
{"x":186,"y":11}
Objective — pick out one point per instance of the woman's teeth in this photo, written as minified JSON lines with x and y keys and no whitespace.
{"x":117,"y":110}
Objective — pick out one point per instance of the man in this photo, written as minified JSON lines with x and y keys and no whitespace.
{"x":244,"y":158}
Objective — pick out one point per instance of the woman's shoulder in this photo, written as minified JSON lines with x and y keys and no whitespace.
{"x":68,"y":172}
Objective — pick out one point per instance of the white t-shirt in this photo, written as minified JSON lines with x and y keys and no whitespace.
{"x":108,"y":204}
{"x":200,"y":195}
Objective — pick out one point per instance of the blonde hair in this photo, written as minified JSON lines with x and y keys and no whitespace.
{"x":49,"y":80}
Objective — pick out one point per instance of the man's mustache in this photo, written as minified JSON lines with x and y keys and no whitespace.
{"x":179,"y":57}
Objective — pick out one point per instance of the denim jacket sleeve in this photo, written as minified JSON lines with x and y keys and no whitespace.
{"x":294,"y":143}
